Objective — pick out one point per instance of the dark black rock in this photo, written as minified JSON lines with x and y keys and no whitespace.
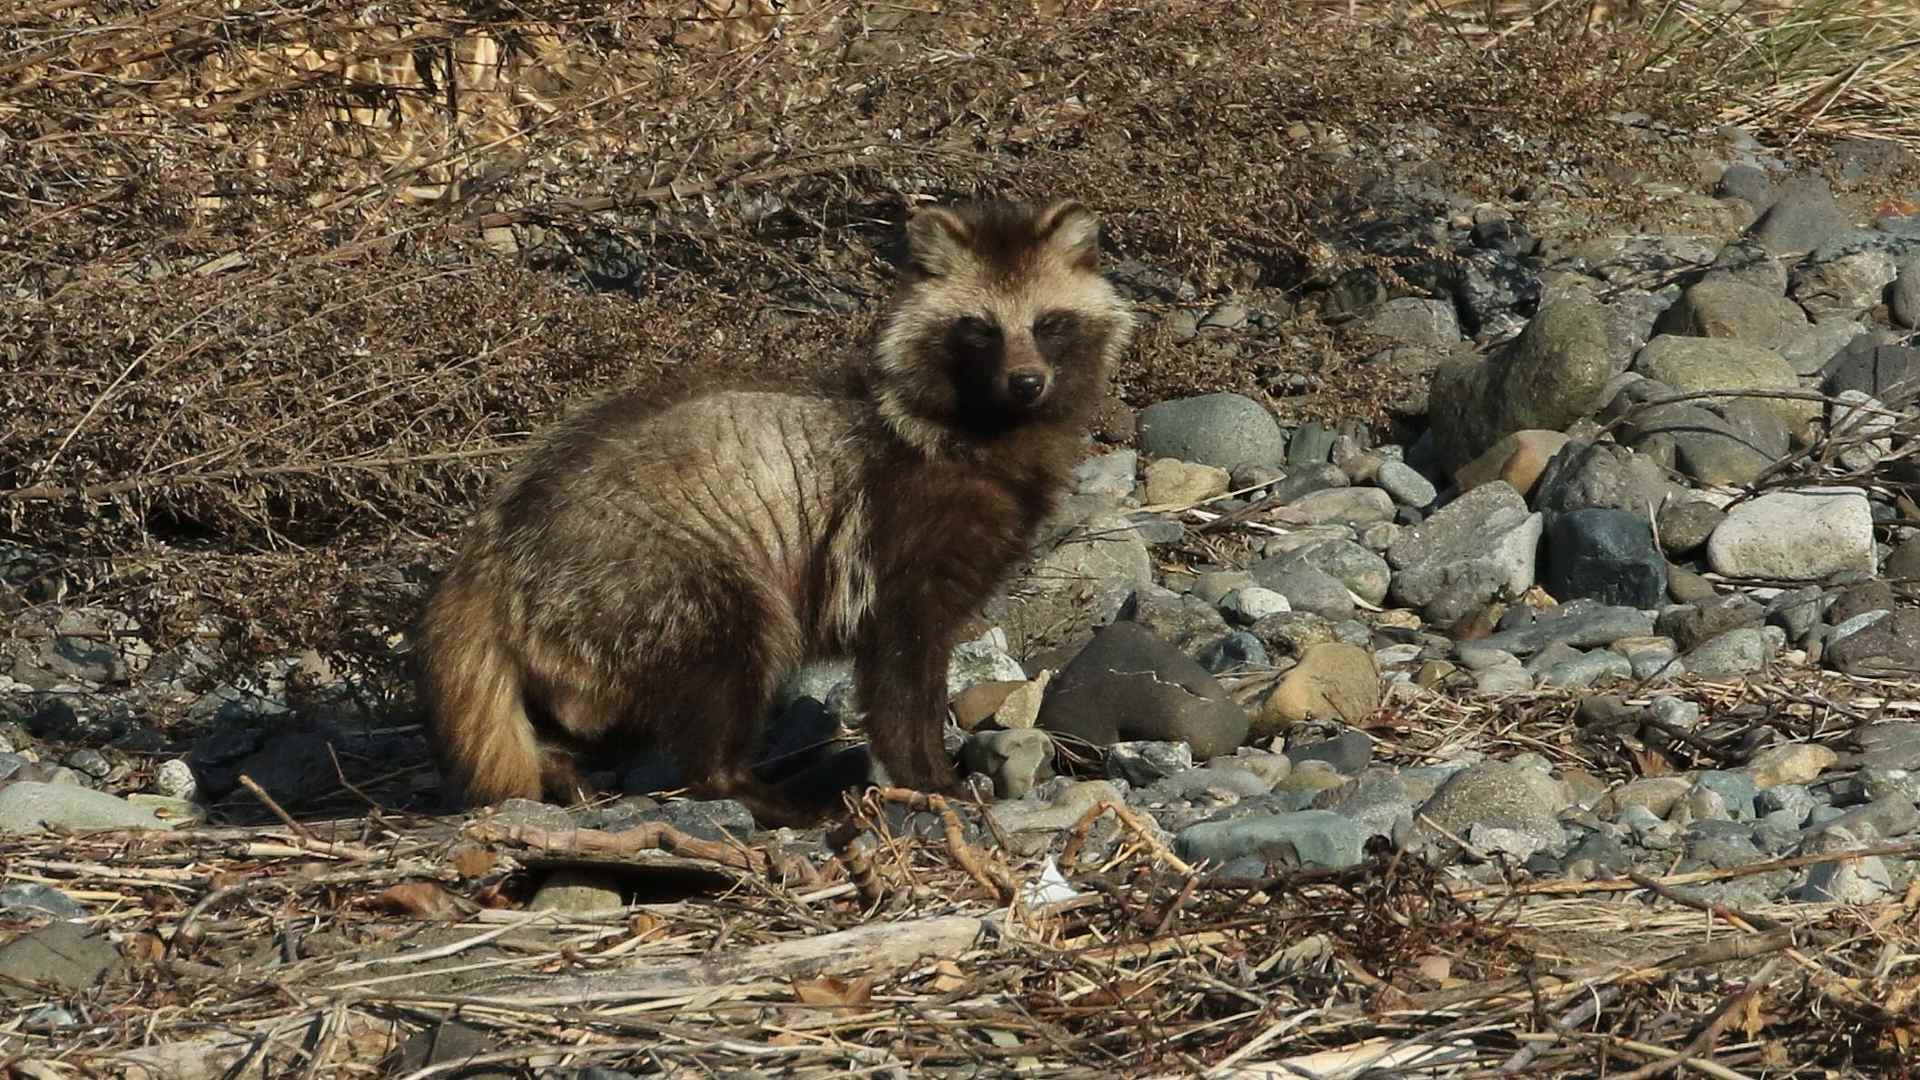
{"x":1607,"y":555}
{"x":1890,"y":373}
{"x":1685,"y":525}
{"x":1348,"y":752}
{"x":1127,"y":684}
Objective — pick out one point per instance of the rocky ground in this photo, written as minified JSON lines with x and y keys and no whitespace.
{"x":1613,"y":576}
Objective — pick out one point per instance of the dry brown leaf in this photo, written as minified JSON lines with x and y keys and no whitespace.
{"x":1650,"y":762}
{"x":947,"y":977}
{"x":474,"y":861}
{"x":422,"y":899}
{"x":833,"y":990}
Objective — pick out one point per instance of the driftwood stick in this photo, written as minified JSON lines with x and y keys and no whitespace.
{"x":876,"y":949}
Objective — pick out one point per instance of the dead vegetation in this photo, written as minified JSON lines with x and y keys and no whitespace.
{"x":923,"y":943}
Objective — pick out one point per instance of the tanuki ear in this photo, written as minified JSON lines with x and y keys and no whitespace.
{"x":1073,"y":231}
{"x":936,"y":240}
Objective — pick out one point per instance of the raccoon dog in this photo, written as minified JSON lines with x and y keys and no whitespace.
{"x":649,"y":573}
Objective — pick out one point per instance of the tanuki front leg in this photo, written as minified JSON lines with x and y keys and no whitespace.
{"x":902,"y":679}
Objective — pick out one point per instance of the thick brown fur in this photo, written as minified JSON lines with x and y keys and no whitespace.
{"x":647,"y":574}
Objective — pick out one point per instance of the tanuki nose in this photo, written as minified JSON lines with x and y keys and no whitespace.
{"x":1026,"y":386}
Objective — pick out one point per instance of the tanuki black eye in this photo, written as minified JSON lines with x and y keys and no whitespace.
{"x":1054,"y":327}
{"x":975,"y":334}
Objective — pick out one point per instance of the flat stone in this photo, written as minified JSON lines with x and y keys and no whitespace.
{"x":1144,"y":763}
{"x":1304,"y":838}
{"x":1581,"y":624}
{"x":1810,"y":349}
{"x":577,"y":891}
{"x":28,"y":806}
{"x":1803,"y":217}
{"x":1694,"y":624}
{"x":68,"y":956}
{"x":1845,"y":286}
{"x":1724,"y":308}
{"x":1586,"y":474}
{"x":1248,"y":605}
{"x":1587,"y":669}
{"x":1797,"y":535}
{"x":1362,"y":572}
{"x":1306,"y":587}
{"x":1405,"y":484}
{"x":1344,"y":506}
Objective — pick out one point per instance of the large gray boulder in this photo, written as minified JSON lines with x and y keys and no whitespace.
{"x":1550,"y":376}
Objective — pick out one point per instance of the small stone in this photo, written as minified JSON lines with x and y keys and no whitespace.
{"x":1171,"y":482}
{"x":1360,"y":571}
{"x":1793,"y":763}
{"x":1250,"y":604}
{"x":1580,"y":624}
{"x":67,"y":956}
{"x":1887,"y":373}
{"x":174,"y":779}
{"x":25,"y":898}
{"x":1793,"y":800}
{"x":1803,"y":217}
{"x":1503,"y":679}
{"x":1518,"y":459}
{"x":1213,"y":429}
{"x":1292,"y":633}
{"x":1845,"y":286}
{"x":1862,"y":880}
{"x":1109,"y":474}
{"x":1693,"y":625}
{"x":1347,"y":753}
{"x":1798,"y":611}
{"x":1685,"y":526}
{"x":1655,"y":795}
{"x":1236,"y":651}
{"x":1142,"y":764}
{"x":1549,"y":376}
{"x":1344,"y":506}
{"x":1903,"y":301}
{"x":1794,"y":535}
{"x":1587,"y":669}
{"x":1737,"y":652}
{"x":1406,"y":485}
{"x":1332,"y":681}
{"x":1016,"y":760}
{"x":1310,"y":444}
{"x":1500,"y":795}
{"x":1306,"y":588}
{"x":1304,"y":838}
{"x":578,"y":891}
{"x":1415,"y":321}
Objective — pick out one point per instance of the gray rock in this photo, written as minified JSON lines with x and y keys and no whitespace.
{"x":174,"y":779}
{"x":1307,"y":588}
{"x":27,"y":899}
{"x":1306,"y":480}
{"x":1737,"y":791}
{"x":1127,"y":684}
{"x":1145,"y":763}
{"x":1376,"y":798}
{"x":1605,"y":555}
{"x":1843,"y":287}
{"x":1692,"y":625}
{"x":1416,"y":321}
{"x":1236,"y":651}
{"x":1446,"y":590}
{"x":1746,"y":261}
{"x":1809,"y":350}
{"x":1887,"y":819}
{"x":1651,"y":659}
{"x":1587,"y":669}
{"x":1475,"y":656}
{"x":1110,"y":474}
{"x":1723,"y":308}
{"x":1310,"y":444}
{"x":66,"y":956}
{"x":1890,"y":744}
{"x":1206,"y":786}
{"x":1694,"y":365}
{"x":983,"y":659}
{"x":1345,"y":506}
{"x":1866,"y":424}
{"x":1580,"y":624}
{"x":1686,"y":524}
{"x":1903,"y":299}
{"x":1587,"y":474}
{"x":1303,"y":838}
{"x":1016,"y":760}
{"x":1703,"y":442}
{"x":1862,"y":880}
{"x":1890,"y":646}
{"x":1497,"y":794}
{"x":1252,"y":603}
{"x":1406,"y":485}
{"x":1796,"y":535}
{"x":1212,"y":429}
{"x":1359,"y":570}
{"x":1803,"y":217}
{"x":1888,"y":373}
{"x":1743,"y":181}
{"x":1348,"y":752}
{"x":29,"y":807}
{"x":1550,"y":376}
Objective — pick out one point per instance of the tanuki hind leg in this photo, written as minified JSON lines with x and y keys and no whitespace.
{"x":717,"y":746}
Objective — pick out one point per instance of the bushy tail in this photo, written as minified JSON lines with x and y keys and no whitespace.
{"x":476,"y":709}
